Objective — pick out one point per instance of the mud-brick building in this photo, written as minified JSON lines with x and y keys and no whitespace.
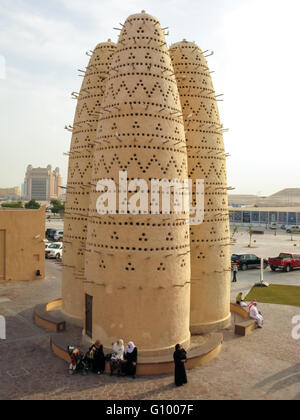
{"x":22,"y":248}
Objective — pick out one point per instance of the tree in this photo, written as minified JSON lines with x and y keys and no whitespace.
{"x":250,"y":231}
{"x":293,"y":230}
{"x":32,"y":204}
{"x":57,"y":206}
{"x":13,"y":205}
{"x":235,"y":230}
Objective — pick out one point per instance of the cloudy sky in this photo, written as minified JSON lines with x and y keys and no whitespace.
{"x":256,"y":64}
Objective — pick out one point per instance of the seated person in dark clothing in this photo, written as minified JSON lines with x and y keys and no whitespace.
{"x":179,"y":360}
{"x":96,"y":358}
{"x":130,"y":360}
{"x":240,"y":301}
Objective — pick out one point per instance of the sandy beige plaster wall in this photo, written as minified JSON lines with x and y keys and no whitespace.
{"x":79,"y":177}
{"x":138,"y":267}
{"x":24,"y":251}
{"x":210,"y":241}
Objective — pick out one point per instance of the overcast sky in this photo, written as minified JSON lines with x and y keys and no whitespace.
{"x":256,"y":64}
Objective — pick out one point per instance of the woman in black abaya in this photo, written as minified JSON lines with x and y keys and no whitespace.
{"x":179,"y":360}
{"x":130,"y":360}
{"x":97,"y":358}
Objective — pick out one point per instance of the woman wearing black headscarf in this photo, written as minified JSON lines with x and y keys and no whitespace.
{"x":97,"y":358}
{"x":179,"y":360}
{"x":130,"y":360}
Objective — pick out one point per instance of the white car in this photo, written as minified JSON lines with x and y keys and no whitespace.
{"x":58,"y":236}
{"x":293,"y":229}
{"x":54,"y":250}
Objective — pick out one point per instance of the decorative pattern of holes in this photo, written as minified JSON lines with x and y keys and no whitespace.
{"x":79,"y":174}
{"x":130,"y":267}
{"x":102,"y":265}
{"x":161,"y":267}
{"x":141,"y":131}
{"x":210,"y":241}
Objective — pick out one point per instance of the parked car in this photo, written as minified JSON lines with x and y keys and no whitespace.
{"x":58,"y":236}
{"x":54,"y":234}
{"x":273,"y":225}
{"x":293,"y":229}
{"x":54,"y":250}
{"x":50,"y":233}
{"x":246,"y":261}
{"x":285,"y":261}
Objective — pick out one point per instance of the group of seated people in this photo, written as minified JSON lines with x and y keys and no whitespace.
{"x":123,"y":360}
{"x":253,"y":310}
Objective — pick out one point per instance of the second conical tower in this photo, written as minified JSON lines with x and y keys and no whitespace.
{"x":210,"y":241}
{"x":79,"y":177}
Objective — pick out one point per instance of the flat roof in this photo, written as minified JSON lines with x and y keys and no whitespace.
{"x":19,"y":210}
{"x":266,"y":209}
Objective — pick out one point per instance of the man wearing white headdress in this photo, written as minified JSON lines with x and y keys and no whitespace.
{"x":255,"y":314}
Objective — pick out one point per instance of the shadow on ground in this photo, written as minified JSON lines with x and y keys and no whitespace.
{"x":29,"y":368}
{"x":282,"y":380}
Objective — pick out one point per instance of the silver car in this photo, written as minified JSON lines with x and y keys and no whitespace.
{"x":293,"y":229}
{"x":58,"y":236}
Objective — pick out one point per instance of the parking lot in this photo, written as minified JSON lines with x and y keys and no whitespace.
{"x":266,"y":245}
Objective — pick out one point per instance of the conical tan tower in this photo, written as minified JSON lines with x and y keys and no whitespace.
{"x":79,"y":177}
{"x":138,"y":266}
{"x":210,"y":241}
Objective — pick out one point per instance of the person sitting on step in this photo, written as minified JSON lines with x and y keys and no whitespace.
{"x":255,"y":314}
{"x":130,"y":360}
{"x":240,"y":301}
{"x":117,"y":357}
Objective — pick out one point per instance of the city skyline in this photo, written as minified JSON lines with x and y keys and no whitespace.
{"x":42,"y":47}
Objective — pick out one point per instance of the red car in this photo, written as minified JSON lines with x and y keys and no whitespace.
{"x":285,"y":261}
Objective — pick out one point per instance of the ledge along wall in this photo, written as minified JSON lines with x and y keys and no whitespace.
{"x":210,"y":241}
{"x":138,"y":266}
{"x":79,"y":177}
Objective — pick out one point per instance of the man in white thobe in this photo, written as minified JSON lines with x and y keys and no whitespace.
{"x":255,"y":314}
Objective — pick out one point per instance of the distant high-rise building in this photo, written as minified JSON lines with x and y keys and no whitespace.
{"x":10,"y":193}
{"x":22,"y":190}
{"x":42,"y":184}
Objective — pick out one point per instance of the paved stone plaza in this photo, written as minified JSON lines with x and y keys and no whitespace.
{"x":264,"y":365}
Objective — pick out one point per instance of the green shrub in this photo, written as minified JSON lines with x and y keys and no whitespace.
{"x":57,"y":206}
{"x":32,"y":205}
{"x":13,"y":205}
